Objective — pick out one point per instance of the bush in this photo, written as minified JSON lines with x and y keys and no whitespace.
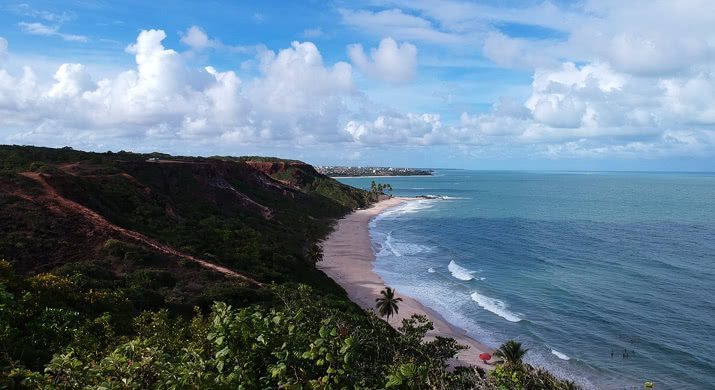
{"x":52,"y":290}
{"x":116,"y":248}
{"x":151,"y":278}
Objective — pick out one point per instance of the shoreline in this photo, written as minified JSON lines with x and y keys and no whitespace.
{"x":348,"y":260}
{"x":377,"y":176}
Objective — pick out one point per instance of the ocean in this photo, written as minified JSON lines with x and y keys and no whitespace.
{"x":608,"y":278}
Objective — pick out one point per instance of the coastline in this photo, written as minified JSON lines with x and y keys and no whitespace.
{"x":376,"y":176}
{"x":348,"y":260}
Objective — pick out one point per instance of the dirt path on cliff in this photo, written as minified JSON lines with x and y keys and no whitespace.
{"x":101,"y":223}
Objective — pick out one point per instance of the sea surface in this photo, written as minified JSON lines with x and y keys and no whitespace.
{"x":607,"y":278}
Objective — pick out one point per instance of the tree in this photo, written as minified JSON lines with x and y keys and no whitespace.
{"x":377,"y":189}
{"x":387,"y":304}
{"x":315,"y":253}
{"x":511,"y":352}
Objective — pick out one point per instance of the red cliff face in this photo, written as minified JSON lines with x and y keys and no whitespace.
{"x":273,"y":167}
{"x":294,"y":174}
{"x":267,"y":167}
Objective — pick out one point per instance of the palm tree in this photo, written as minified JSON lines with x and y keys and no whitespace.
{"x":315,"y":253}
{"x":511,"y":352}
{"x":387,"y":304}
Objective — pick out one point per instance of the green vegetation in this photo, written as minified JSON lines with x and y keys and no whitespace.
{"x":57,"y":335}
{"x":511,"y":352}
{"x":379,"y":188}
{"x":386,"y":304}
{"x":85,"y":303}
{"x":377,"y":191}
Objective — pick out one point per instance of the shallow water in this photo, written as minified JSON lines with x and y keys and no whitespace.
{"x":576,"y":266}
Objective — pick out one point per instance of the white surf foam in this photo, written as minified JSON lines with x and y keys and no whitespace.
{"x":560,"y":355}
{"x":406,"y":208}
{"x":390,"y":247}
{"x":460,"y":272}
{"x":413,"y":207}
{"x":397,"y":248}
{"x":495,"y":306}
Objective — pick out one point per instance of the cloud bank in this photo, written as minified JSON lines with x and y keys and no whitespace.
{"x":297,"y":98}
{"x":639,"y":91}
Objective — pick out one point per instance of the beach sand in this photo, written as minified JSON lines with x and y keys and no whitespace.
{"x":348,"y":259}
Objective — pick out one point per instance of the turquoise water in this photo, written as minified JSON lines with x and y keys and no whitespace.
{"x":575,"y":265}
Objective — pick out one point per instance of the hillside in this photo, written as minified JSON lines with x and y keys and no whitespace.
{"x":65,"y":208}
{"x":125,"y":270}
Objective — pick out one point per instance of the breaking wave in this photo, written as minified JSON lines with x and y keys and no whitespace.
{"x":399,"y":249}
{"x":560,"y":355}
{"x":495,"y":306}
{"x":460,"y":272}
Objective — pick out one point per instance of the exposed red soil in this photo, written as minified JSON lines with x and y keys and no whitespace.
{"x":270,"y":168}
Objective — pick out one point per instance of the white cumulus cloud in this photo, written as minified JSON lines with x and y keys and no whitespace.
{"x":395,"y":128}
{"x":296,"y":98}
{"x":299,"y":93}
{"x":691,"y":99}
{"x":72,"y":81}
{"x":197,"y":39}
{"x":390,"y":61}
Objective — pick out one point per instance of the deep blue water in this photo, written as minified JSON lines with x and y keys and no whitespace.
{"x":574,"y":265}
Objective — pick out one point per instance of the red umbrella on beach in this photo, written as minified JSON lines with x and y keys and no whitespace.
{"x":485,"y":356}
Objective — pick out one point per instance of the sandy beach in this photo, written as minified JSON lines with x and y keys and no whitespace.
{"x":348,"y":259}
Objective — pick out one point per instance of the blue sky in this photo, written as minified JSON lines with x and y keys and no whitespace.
{"x":602,"y":85}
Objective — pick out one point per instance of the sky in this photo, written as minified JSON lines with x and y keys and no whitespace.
{"x":555,"y":85}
